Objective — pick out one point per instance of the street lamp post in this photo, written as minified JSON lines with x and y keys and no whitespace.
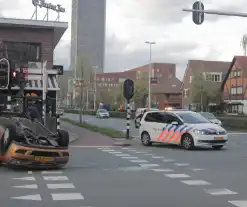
{"x":149,"y":72}
{"x":95,"y":87}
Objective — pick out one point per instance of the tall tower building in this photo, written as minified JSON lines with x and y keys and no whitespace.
{"x":88,"y":33}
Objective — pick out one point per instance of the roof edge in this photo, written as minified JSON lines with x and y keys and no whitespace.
{"x":228,"y":72}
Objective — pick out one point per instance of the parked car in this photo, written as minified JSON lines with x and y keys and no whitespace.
{"x":102,"y":113}
{"x":211,"y":118}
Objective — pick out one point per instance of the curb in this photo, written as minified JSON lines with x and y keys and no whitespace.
{"x":122,"y":144}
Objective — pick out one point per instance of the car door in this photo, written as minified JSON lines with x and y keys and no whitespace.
{"x":170,"y":134}
{"x":154,"y":124}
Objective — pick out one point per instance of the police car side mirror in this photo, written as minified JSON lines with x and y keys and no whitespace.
{"x":174,"y":123}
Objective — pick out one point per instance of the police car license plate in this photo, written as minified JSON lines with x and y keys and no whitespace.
{"x":43,"y":159}
{"x":219,"y":138}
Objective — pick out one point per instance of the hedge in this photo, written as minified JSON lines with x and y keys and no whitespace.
{"x":228,"y":121}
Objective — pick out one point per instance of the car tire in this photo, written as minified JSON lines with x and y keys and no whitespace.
{"x":145,"y":139}
{"x":218,"y":147}
{"x":187,"y":142}
{"x":63,"y":140}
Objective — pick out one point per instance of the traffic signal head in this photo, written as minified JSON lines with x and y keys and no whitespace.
{"x":198,"y":17}
{"x":4,"y":73}
{"x":128,"y":89}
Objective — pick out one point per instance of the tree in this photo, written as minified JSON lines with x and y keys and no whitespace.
{"x":117,"y":95}
{"x":203,"y":91}
{"x":140,"y":92}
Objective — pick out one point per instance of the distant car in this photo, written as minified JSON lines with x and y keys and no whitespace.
{"x":60,"y":112}
{"x":102,"y":113}
{"x":211,"y":118}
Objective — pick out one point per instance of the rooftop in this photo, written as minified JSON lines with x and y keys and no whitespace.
{"x":58,"y":27}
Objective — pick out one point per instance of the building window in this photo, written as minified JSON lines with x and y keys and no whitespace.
{"x":236,"y":73}
{"x":186,"y":93}
{"x":214,"y":77}
{"x":236,"y":90}
{"x":158,"y":70}
{"x":22,"y":51}
{"x":191,"y":79}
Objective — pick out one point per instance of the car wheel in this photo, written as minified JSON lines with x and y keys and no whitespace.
{"x":218,"y":147}
{"x":63,"y":140}
{"x":187,"y":142}
{"x":145,"y":139}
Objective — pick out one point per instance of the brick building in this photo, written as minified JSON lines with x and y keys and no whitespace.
{"x":214,"y":71}
{"x":165,"y":93}
{"x":234,"y":86}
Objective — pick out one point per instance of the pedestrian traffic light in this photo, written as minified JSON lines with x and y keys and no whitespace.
{"x":4,"y":73}
{"x":198,"y":17}
{"x":128,"y":89}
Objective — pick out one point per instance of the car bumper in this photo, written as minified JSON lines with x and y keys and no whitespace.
{"x":206,"y":140}
{"x":35,"y":156}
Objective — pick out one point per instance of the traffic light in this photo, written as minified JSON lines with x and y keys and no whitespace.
{"x":18,"y":76}
{"x":198,"y":17}
{"x":128,"y":89}
{"x":4,"y":73}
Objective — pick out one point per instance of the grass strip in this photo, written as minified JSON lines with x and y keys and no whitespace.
{"x":110,"y":132}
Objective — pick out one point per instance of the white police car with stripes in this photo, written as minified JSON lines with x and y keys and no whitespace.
{"x":186,"y":128}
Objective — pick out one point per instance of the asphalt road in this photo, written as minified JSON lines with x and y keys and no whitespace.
{"x":119,"y":124}
{"x":135,"y":176}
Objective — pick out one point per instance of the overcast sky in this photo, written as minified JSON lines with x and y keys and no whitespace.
{"x":131,"y":22}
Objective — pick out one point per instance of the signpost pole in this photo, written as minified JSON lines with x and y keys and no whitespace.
{"x":44,"y":80}
{"x":128,"y":120}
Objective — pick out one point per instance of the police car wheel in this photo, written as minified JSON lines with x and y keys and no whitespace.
{"x":145,"y":138}
{"x":187,"y":142}
{"x":218,"y":147}
{"x":63,"y":138}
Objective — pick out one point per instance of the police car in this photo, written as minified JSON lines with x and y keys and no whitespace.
{"x":186,"y":128}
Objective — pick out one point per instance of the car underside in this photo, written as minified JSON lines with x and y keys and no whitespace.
{"x":26,"y":142}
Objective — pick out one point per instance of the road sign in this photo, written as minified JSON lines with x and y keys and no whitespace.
{"x":128,"y":89}
{"x":198,"y":17}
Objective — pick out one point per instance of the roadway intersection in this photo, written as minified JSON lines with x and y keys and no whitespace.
{"x":103,"y":176}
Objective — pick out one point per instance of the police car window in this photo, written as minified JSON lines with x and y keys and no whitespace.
{"x":155,"y":117}
{"x":192,"y":118}
{"x":171,"y":118}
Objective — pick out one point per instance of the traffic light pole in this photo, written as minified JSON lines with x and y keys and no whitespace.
{"x":216,"y":12}
{"x":128,"y":120}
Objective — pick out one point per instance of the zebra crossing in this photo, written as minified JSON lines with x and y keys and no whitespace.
{"x":52,"y":180}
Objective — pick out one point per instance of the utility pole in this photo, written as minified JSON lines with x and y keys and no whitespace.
{"x":149,"y":72}
{"x":95,"y":87}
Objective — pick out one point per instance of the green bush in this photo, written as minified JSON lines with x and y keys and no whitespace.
{"x":110,"y":132}
{"x":114,"y":114}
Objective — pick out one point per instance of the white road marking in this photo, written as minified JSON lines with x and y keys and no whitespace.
{"x":220,"y":192}
{"x":162,"y":170}
{"x":36,"y":197}
{"x":122,"y":155}
{"x":240,"y":203}
{"x":140,"y":152}
{"x":33,"y":186}
{"x":60,"y":186}
{"x":115,"y":152}
{"x":30,"y":172}
{"x":66,"y":196}
{"x":196,"y":182}
{"x":177,"y":175}
{"x":25,"y":178}
{"x":125,"y":148}
{"x":55,"y":178}
{"x":168,"y":160}
{"x":181,"y":164}
{"x":51,"y":172}
{"x":196,"y":169}
{"x":130,"y":158}
{"x":108,"y":150}
{"x":148,"y":154}
{"x":149,"y":165}
{"x":157,"y":157}
{"x":131,"y":150}
{"x":138,"y":161}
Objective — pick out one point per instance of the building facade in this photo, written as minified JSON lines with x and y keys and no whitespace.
{"x":234,"y":86}
{"x":213,"y":71}
{"x":166,"y":92}
{"x":88,"y":24}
